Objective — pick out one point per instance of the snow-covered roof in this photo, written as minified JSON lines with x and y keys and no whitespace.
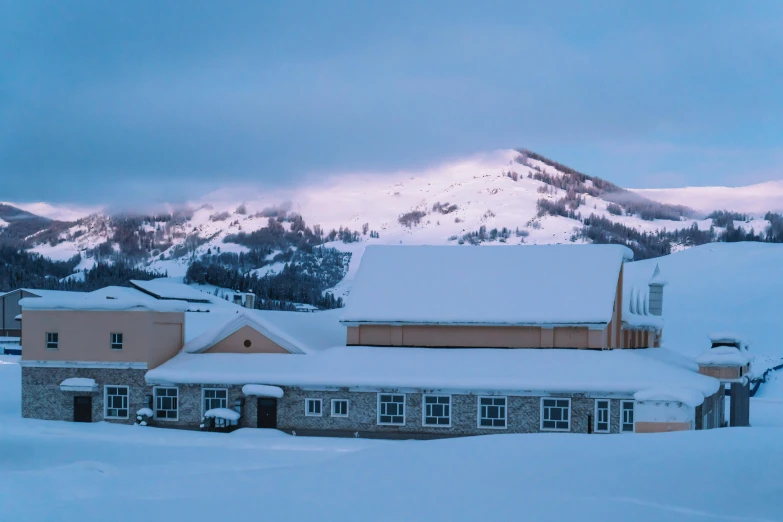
{"x":472,"y":369}
{"x":657,"y":278}
{"x":262,"y":390}
{"x":239,"y":320}
{"x":164,"y":289}
{"x":726,"y":337}
{"x":687,"y":396}
{"x":723,"y":356}
{"x":525,"y":285}
{"x":108,"y":298}
{"x":78,"y":384}
{"x":309,"y":332}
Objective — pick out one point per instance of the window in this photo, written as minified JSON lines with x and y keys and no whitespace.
{"x":492,"y":412}
{"x":556,"y":414}
{"x":626,"y":419}
{"x":52,"y":341}
{"x":391,"y":409}
{"x":115,"y":402}
{"x":166,"y":403}
{"x":116,"y":341}
{"x":437,"y":410}
{"x":215,"y":398}
{"x":339,"y":407}
{"x":313,"y":407}
{"x":602,"y":416}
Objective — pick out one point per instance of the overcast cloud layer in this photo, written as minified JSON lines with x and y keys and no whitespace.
{"x":130,"y":102}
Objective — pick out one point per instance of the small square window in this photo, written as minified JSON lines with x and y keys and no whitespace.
{"x":556,"y":414}
{"x":391,"y":409}
{"x":339,"y":407}
{"x":52,"y":341}
{"x":313,"y":407}
{"x":116,"y":341}
{"x":492,"y":412}
{"x":437,"y":410}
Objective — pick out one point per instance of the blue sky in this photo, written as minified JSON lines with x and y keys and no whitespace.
{"x":124,"y":102}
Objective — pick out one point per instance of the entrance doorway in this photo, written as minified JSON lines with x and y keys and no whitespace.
{"x":267,"y":413}
{"x":82,"y":409}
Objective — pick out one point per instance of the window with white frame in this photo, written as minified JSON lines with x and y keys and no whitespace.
{"x":492,"y":412}
{"x":602,"y":416}
{"x":391,"y":409}
{"x":313,"y":407}
{"x":116,"y":341}
{"x":626,"y":417}
{"x":166,"y":403}
{"x":52,"y":340}
{"x":339,"y":407}
{"x":437,"y":410}
{"x":555,"y":414}
{"x":215,"y":398}
{"x":115,"y":402}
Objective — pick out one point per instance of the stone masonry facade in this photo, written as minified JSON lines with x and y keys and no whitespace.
{"x":43,"y":399}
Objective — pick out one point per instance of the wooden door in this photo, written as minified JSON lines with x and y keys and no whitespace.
{"x":82,"y":409}
{"x":267,"y":413}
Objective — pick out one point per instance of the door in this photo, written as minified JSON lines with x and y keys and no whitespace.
{"x":82,"y":409}
{"x":267,"y":413}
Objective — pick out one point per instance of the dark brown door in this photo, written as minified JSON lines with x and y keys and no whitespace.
{"x":267,"y":413}
{"x":82,"y":409}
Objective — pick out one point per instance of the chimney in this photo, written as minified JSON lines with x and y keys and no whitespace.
{"x":656,"y":292}
{"x":250,"y":300}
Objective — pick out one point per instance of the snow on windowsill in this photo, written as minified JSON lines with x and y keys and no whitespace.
{"x":222,"y":413}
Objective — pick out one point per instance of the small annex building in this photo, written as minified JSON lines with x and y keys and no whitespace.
{"x":434,"y":342}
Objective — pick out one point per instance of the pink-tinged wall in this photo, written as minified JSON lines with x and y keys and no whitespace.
{"x":148,"y":337}
{"x":235,"y":343}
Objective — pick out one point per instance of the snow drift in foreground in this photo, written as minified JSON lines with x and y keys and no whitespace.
{"x":58,"y":471}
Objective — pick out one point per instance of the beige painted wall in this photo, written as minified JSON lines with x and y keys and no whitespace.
{"x":723,"y":372}
{"x":235,"y":343}
{"x":148,"y":337}
{"x":660,"y":427}
{"x":474,"y":336}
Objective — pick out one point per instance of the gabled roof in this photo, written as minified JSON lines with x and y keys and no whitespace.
{"x":233,"y":324}
{"x":526,"y":285}
{"x":167,"y":290}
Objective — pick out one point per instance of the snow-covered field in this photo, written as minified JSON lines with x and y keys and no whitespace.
{"x":58,"y":471}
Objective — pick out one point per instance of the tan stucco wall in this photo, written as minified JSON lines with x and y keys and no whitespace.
{"x":148,"y":337}
{"x":475,"y":336}
{"x":660,"y":427}
{"x":235,"y":343}
{"x":722,"y":372}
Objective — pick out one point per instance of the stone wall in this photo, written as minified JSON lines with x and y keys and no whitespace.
{"x":43,"y":399}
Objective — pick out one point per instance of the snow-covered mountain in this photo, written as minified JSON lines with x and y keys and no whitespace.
{"x":752,"y":199}
{"x":504,"y":197}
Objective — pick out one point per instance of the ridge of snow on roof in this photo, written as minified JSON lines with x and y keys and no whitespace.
{"x":211,"y":337}
{"x":467,"y":369}
{"x":108,"y":298}
{"x":524,"y":285}
{"x":687,"y":396}
{"x":168,"y":290}
{"x":723,"y":356}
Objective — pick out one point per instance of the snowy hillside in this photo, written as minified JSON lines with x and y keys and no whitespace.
{"x":753,"y":199}
{"x":722,"y":287}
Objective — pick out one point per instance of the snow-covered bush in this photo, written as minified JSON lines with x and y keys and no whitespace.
{"x":143,"y":417}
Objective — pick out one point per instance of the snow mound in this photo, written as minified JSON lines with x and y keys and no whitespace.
{"x":222,"y":413}
{"x":78,"y":384}
{"x":723,"y":356}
